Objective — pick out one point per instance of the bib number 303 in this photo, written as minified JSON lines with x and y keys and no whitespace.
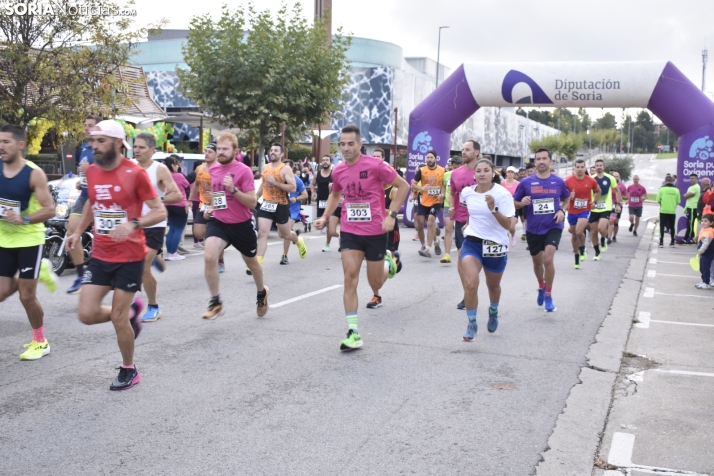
{"x":106,"y":221}
{"x":358,"y":212}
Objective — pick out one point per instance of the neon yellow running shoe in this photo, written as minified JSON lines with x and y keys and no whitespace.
{"x":446,"y":258}
{"x":392,"y":264}
{"x":35,"y":350}
{"x":576,"y":266}
{"x":353,"y":341}
{"x":47,"y":276}
{"x":302,"y":249}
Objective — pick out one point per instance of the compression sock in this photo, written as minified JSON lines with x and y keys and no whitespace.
{"x":602,"y":241}
{"x":541,"y":284}
{"x":80,"y":270}
{"x":582,"y":250}
{"x":471,"y":314}
{"x":38,"y":335}
{"x":493,"y":307}
{"x":261,"y":294}
{"x":597,"y":250}
{"x":548,"y":290}
{"x":577,"y":258}
{"x":216,"y":299}
{"x":352,"y":320}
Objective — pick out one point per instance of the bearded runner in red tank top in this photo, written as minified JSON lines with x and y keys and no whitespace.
{"x":117,"y":190}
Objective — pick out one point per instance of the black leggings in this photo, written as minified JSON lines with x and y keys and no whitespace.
{"x":666,"y":220}
{"x":691,"y":214}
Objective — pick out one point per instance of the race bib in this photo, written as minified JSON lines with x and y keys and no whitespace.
{"x":635,"y":199}
{"x":434,"y":192}
{"x":269,"y":207}
{"x":599,"y":205}
{"x":82,"y":180}
{"x":543,"y":206}
{"x":322,"y":204}
{"x":358,"y":212}
{"x":581,"y":203}
{"x":493,"y":250}
{"x":106,"y":221}
{"x":204,"y":207}
{"x":219,"y":201}
{"x":6,"y":205}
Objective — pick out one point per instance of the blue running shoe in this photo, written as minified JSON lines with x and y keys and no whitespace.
{"x":461,"y":306}
{"x":158,"y":265}
{"x":470,"y":331}
{"x":492,"y":319}
{"x":397,"y":259}
{"x":541,"y":296}
{"x":76,"y":286}
{"x":221,"y":267}
{"x":549,"y":305}
{"x":152,"y":314}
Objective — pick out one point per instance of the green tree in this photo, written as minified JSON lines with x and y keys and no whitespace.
{"x":281,"y":70}
{"x":584,"y":119}
{"x":623,"y":165}
{"x":59,"y":66}
{"x":644,"y":120}
{"x":607,"y":121}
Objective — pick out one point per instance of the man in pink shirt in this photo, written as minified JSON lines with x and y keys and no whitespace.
{"x":365,"y":223}
{"x":637,"y":194}
{"x":231,"y":223}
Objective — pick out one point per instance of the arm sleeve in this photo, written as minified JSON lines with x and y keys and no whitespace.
{"x":417,"y":176}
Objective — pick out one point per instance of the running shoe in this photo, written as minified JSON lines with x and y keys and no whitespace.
{"x":437,"y":247}
{"x":262,"y":303}
{"x":76,"y":286}
{"x":248,"y":272}
{"x":608,"y":241}
{"x":47,"y":276}
{"x":438,"y":231}
{"x":326,"y":248}
{"x":445,"y":259}
{"x":471,"y":330}
{"x":198,"y":245}
{"x":576,"y":266}
{"x":492,"y":319}
{"x":159,"y":264}
{"x":702,"y":285}
{"x":215,"y":310}
{"x":634,"y":233}
{"x":375,"y":302}
{"x":549,"y":305}
{"x":152,"y":314}
{"x":584,"y":256}
{"x":614,"y":239}
{"x":671,"y":245}
{"x":416,"y":237}
{"x":596,"y":257}
{"x":302,"y":249}
{"x":603,"y":247}
{"x":126,"y":379}
{"x":398,"y":260}
{"x":221,"y":267}
{"x":425,"y":253}
{"x":353,"y":341}
{"x":392,"y":264}
{"x":541,"y":296}
{"x":182,"y":251}
{"x":35,"y":350}
{"x":461,"y":306}
{"x":632,"y":227}
{"x":174,"y":257}
{"x":523,"y":237}
{"x":137,"y":306}
{"x":284,"y":260}
{"x":661,"y":245}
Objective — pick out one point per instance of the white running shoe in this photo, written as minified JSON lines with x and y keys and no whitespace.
{"x":702,"y":285}
{"x":174,"y":257}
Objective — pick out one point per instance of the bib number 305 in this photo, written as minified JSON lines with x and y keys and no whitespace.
{"x":358,"y":212}
{"x":106,"y":221}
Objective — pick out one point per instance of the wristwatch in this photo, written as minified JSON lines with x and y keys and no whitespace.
{"x":136,"y":223}
{"x":235,"y":189}
{"x":25,"y":219}
{"x":393,"y":214}
{"x":495,"y":209}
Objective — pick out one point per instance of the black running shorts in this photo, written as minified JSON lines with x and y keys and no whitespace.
{"x":240,"y":235}
{"x":537,"y":243}
{"x":595,"y":217}
{"x":155,"y":238}
{"x":373,"y":247}
{"x":26,"y":260}
{"x":124,"y":276}
{"x":280,"y":216}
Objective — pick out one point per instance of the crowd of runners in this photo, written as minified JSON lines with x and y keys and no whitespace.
{"x":131,"y":203}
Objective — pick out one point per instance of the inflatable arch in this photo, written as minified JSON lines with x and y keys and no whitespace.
{"x":657,"y":85}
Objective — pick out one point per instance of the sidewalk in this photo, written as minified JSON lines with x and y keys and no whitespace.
{"x":661,"y":419}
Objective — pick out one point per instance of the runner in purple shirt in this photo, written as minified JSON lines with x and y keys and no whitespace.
{"x":544,"y":197}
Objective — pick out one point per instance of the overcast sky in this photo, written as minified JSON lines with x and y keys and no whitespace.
{"x":509,"y":30}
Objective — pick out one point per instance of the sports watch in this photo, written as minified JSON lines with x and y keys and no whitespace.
{"x":393,"y":214}
{"x":495,"y":209}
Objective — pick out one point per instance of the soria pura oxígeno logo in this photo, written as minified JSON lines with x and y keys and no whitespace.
{"x":701,"y":148}
{"x":422,"y":142}
{"x":526,"y":90}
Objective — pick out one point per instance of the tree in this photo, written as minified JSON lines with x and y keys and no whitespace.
{"x":607,"y":121}
{"x":623,"y":165}
{"x":58,"y":65}
{"x":644,"y":120}
{"x":282,"y":69}
{"x":566,"y":144}
{"x":585,"y":120}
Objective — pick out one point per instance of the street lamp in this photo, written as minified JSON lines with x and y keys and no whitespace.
{"x":438,"y":54}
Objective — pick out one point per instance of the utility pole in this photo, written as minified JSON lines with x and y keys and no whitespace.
{"x":705,"y":57}
{"x":438,"y":55}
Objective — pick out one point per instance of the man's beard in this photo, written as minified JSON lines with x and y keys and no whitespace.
{"x":224,"y":160}
{"x":107,"y":158}
{"x":325,"y":166}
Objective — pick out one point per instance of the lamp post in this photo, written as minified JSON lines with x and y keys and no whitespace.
{"x":438,"y":55}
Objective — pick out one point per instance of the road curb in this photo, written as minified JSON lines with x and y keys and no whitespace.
{"x":579,"y":428}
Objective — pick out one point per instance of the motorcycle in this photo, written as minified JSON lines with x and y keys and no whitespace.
{"x":64,"y":193}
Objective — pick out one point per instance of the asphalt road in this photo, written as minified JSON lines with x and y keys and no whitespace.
{"x":275,"y":396}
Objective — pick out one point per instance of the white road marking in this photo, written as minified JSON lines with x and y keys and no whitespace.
{"x":682,"y":323}
{"x":303,"y":237}
{"x":677,"y":275}
{"x":305,"y":296}
{"x":654,"y":252}
{"x":651,"y":273}
{"x":649,"y":292}
{"x":621,"y":455}
{"x":672,"y":262}
{"x":683,"y":295}
{"x":644,"y":318}
{"x":637,"y":376}
{"x":653,"y":260}
{"x":685,"y":372}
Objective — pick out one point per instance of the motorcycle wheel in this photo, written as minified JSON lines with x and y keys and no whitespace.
{"x":59,"y":263}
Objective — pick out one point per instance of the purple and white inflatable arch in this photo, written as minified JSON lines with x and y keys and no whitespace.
{"x":656,"y":85}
